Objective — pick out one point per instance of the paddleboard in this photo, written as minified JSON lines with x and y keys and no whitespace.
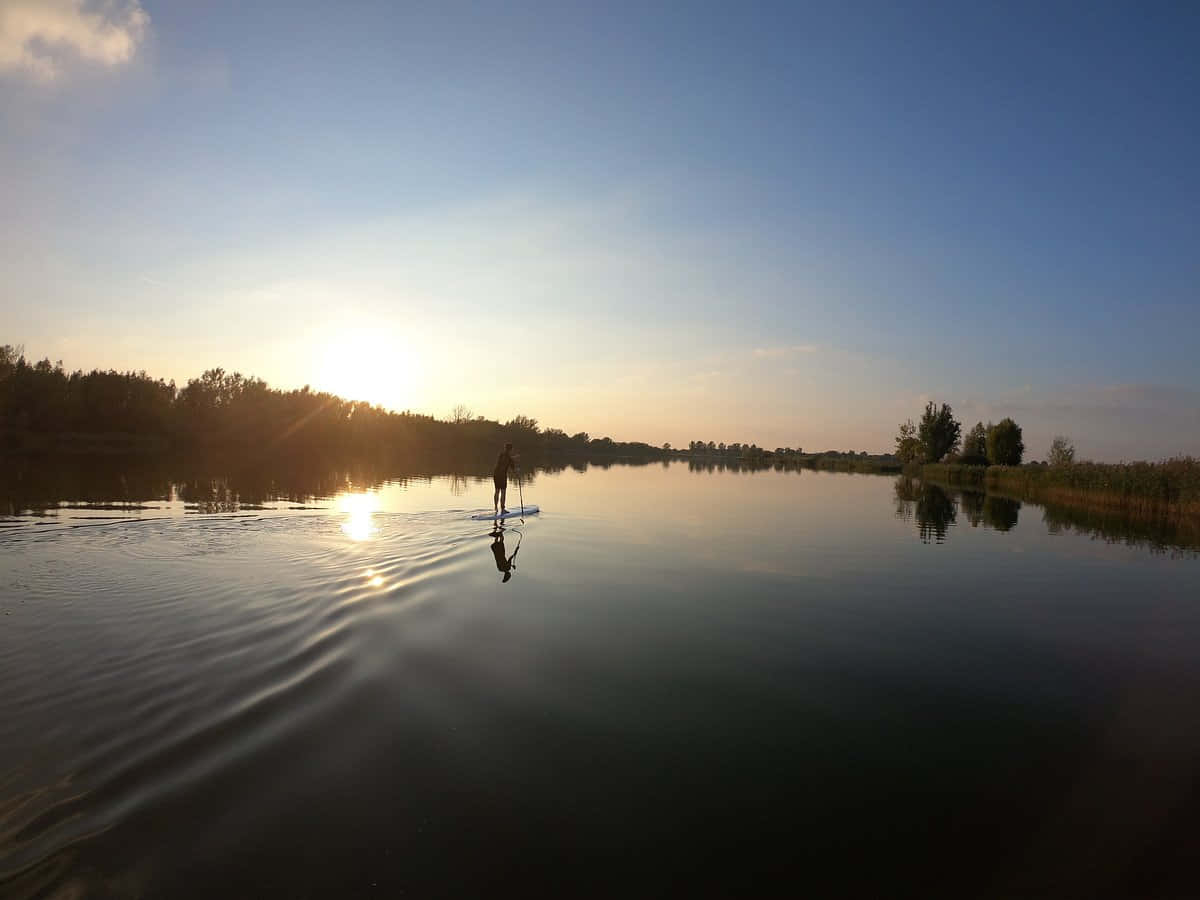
{"x":514,"y":512}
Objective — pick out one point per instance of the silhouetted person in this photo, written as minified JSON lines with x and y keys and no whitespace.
{"x":503,"y":563}
{"x":500,"y":477}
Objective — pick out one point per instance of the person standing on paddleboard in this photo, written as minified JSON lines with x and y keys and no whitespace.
{"x":500,"y":477}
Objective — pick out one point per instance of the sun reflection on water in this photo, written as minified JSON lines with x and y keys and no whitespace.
{"x":358,"y":508}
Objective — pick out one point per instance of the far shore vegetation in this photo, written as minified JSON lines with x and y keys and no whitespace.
{"x":46,"y":409}
{"x":991,"y":457}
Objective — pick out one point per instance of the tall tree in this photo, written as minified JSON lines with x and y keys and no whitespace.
{"x":908,"y":445}
{"x":938,"y":432}
{"x":1004,"y":444}
{"x":974,"y":449}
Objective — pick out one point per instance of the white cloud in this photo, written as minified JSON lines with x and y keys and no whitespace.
{"x":39,"y":37}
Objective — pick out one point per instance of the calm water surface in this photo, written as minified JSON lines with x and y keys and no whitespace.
{"x":689,"y":682}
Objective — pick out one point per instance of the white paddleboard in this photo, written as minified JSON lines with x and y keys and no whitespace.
{"x":514,"y":512}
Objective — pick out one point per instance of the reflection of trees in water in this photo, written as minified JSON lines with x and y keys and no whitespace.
{"x":227,"y":484}
{"x":1000,"y":513}
{"x":931,"y":507}
{"x":36,"y":484}
{"x":209,"y":495}
{"x":710,"y":464}
{"x":970,"y":503}
{"x":906,"y":491}
{"x":935,"y":513}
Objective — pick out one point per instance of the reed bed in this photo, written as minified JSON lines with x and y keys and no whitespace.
{"x":1170,"y":488}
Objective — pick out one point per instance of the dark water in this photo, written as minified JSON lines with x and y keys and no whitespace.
{"x":690,"y":683}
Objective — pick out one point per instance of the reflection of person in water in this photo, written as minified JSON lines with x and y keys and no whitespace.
{"x":504,"y":563}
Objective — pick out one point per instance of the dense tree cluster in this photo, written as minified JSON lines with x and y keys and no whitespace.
{"x":938,"y":432}
{"x":938,"y":438}
{"x":222,"y":409}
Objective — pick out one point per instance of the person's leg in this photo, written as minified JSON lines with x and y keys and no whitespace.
{"x":496,"y":498}
{"x":503,"y":495}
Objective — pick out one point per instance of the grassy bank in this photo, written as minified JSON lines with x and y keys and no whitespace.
{"x":1164,"y":489}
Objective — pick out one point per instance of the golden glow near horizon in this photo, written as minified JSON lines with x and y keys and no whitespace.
{"x":368,"y":365}
{"x":358,"y":508}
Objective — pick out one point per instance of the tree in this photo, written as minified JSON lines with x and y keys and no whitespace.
{"x":1062,"y":451}
{"x":461,"y":414}
{"x":666,"y":447}
{"x":522,"y":423}
{"x":908,"y":446}
{"x":1004,"y":444}
{"x":938,"y":432}
{"x":974,"y":451}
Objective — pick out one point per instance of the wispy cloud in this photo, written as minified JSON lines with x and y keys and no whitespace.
{"x":38,"y":38}
{"x":784,"y":351}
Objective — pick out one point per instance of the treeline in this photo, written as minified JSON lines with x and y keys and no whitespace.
{"x":735,"y":451}
{"x":229,"y":410}
{"x":938,"y":437}
{"x":708,"y":455}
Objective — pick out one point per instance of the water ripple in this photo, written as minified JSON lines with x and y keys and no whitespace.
{"x":150,"y":656}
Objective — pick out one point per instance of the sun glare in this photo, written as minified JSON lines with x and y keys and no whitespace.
{"x":358,"y":508}
{"x":368,"y":366}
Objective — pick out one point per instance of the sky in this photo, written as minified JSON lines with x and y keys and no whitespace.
{"x":784,"y":224}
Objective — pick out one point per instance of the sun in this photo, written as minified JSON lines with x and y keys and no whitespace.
{"x":371,"y":366}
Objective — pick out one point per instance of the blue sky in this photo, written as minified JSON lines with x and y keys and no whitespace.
{"x":787,"y":224}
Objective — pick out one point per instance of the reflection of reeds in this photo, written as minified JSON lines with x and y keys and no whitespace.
{"x":1141,"y":503}
{"x":1170,"y":488}
{"x":1177,"y":537}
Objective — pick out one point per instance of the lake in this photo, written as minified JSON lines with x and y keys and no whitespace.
{"x":674,"y":680}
